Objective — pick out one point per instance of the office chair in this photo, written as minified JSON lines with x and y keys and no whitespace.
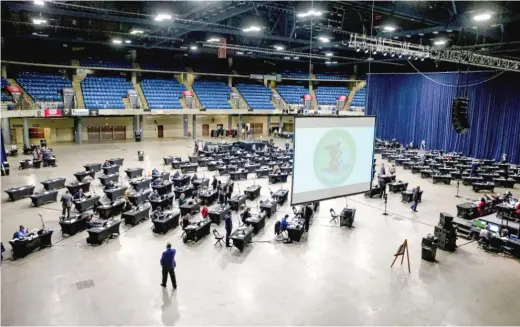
{"x":334,"y":216}
{"x":218,"y":237}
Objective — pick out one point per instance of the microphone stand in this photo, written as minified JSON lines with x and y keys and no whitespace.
{"x":458,"y":183}
{"x":386,"y":201}
{"x":41,"y":219}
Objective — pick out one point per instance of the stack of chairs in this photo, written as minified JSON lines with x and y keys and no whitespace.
{"x":105,"y":92}
{"x":212,"y":94}
{"x":43,"y":87}
{"x":327,"y":95}
{"x":163,"y":93}
{"x":257,"y":96}
{"x":292,"y":94}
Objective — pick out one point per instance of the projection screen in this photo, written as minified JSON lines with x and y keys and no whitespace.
{"x":333,"y":157}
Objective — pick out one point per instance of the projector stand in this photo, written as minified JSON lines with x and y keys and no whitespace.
{"x":457,"y":196}
{"x":386,"y":200}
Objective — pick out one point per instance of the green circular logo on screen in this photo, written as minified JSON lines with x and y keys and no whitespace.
{"x":334,"y":157}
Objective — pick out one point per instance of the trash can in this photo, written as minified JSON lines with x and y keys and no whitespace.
{"x":37,"y":164}
{"x":346,"y":218}
{"x":429,"y":248}
{"x":140,"y":155}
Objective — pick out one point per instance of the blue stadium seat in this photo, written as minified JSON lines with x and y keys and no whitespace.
{"x":43,"y":87}
{"x":331,"y":76}
{"x":162,"y":93}
{"x":295,"y":75}
{"x":360,"y":98}
{"x":292,"y":94}
{"x":212,"y":94}
{"x":105,"y":92}
{"x":5,"y":96}
{"x":327,"y":95}
{"x":257,"y":96}
{"x":105,"y":64}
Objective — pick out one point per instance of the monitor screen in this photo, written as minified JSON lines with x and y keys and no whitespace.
{"x":494,"y":228}
{"x":333,"y":157}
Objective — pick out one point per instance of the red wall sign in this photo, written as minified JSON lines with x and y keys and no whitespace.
{"x":187,"y":93}
{"x":307,"y":97}
{"x":342,"y":98}
{"x":13,"y":89}
{"x":52,"y":113}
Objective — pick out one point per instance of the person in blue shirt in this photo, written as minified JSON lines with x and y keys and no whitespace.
{"x":155,"y":172}
{"x":229,"y":227}
{"x":154,"y":196}
{"x":284,"y":223}
{"x":287,"y":145}
{"x":79,"y":195}
{"x":474,"y":168}
{"x":168,"y":265}
{"x":176,"y":175}
{"x":21,"y":233}
{"x":157,"y":181}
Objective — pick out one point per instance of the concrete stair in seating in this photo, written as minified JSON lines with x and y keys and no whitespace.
{"x":359,"y":85}
{"x":144,"y":103}
{"x":282,"y":101}
{"x":127,"y":103}
{"x":30,"y":104}
{"x":241,"y":99}
{"x":314,"y":100}
{"x":79,"y":94}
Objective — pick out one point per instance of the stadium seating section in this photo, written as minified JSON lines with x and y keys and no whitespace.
{"x":212,"y":94}
{"x":327,"y":95}
{"x":43,"y":87}
{"x":257,"y":96}
{"x":105,"y":92}
{"x":162,"y":94}
{"x":359,"y":98}
{"x":105,"y":64}
{"x":331,"y":76}
{"x":292,"y":94}
{"x":5,"y":95}
{"x":295,"y":75}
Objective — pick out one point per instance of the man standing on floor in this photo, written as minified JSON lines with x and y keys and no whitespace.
{"x":168,"y":265}
{"x":66,"y":203}
{"x":415,"y":198}
{"x":229,"y":227}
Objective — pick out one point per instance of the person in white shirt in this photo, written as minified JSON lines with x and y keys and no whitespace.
{"x":423,"y":145}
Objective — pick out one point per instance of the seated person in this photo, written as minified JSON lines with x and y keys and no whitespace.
{"x":154,"y":195}
{"x":176,"y":175}
{"x":246,"y":214}
{"x":79,"y":195}
{"x":157,"y":181}
{"x":21,"y":233}
{"x":158,"y":213}
{"x":182,"y":199}
{"x":517,"y":209}
{"x":276,"y":169}
{"x":486,"y":235}
{"x":106,"y":164}
{"x":185,"y":221}
{"x":508,"y":196}
{"x":194,"y":177}
{"x":110,"y":185}
{"x":392,"y":170}
{"x":284,"y":223}
{"x":204,"y":212}
{"x":481,"y":206}
{"x":155,"y":172}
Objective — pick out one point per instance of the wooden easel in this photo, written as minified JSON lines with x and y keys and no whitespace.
{"x":400,"y":252}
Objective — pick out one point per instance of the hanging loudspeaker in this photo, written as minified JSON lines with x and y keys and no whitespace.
{"x":459,"y":115}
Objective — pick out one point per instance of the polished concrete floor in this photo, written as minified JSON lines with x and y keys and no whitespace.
{"x":335,"y":276}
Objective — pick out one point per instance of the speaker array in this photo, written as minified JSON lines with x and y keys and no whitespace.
{"x":459,"y":115}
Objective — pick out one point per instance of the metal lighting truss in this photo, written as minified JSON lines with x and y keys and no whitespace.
{"x":383,"y":45}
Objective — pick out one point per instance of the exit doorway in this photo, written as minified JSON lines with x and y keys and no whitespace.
{"x":160,"y":131}
{"x":205,"y":130}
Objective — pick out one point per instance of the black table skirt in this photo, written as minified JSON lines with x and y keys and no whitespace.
{"x":236,"y":201}
{"x":163,"y":189}
{"x":71,"y":228}
{"x":134,"y":173}
{"x":110,"y":169}
{"x":137,"y":199}
{"x":270,"y":209}
{"x":39,"y":199}
{"x":163,"y":203}
{"x":208,"y":199}
{"x":57,"y":184}
{"x":93,"y":167}
{"x":16,"y":194}
{"x":86,"y":204}
{"x":98,"y":235}
{"x":116,"y":161}
{"x":140,"y":185}
{"x":240,"y":242}
{"x":189,"y":168}
{"x":24,"y":247}
{"x":132,"y":217}
{"x":281,"y":178}
{"x":191,"y":209}
{"x":111,"y":211}
{"x":80,"y":175}
{"x":105,"y":179}
{"x":295,"y":234}
{"x":197,"y":233}
{"x":162,"y":226}
{"x":73,"y":189}
{"x":252,"y":194}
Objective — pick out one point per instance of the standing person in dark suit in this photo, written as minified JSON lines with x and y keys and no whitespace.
{"x":415,"y":198}
{"x":66,"y":203}
{"x":214,"y":182}
{"x":228,"y":189}
{"x":307,"y":214}
{"x":229,"y":227}
{"x":168,"y":265}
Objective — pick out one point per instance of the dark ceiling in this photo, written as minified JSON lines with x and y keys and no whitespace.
{"x":93,"y":23}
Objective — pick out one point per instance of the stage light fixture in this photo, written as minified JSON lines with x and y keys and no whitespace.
{"x":193,"y":48}
{"x":375,"y":52}
{"x":358,"y":49}
{"x":384,"y":54}
{"x":400,"y":55}
{"x":366,"y":50}
{"x":135,"y":32}
{"x":422,"y":59}
{"x":324,"y":39}
{"x":393,"y":55}
{"x":439,"y":42}
{"x":328,"y":54}
{"x":252,"y":28}
{"x":213,"y":40}
{"x":39,"y":21}
{"x":128,"y":41}
{"x":240,"y":53}
{"x":162,"y":17}
{"x":482,"y":17}
{"x":279,"y":47}
{"x":435,"y":32}
{"x":310,"y":13}
{"x":39,"y":2}
{"x":388,"y":28}
{"x":117,"y":41}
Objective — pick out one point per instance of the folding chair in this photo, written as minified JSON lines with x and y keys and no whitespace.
{"x":218,"y":237}
{"x":334,"y":216}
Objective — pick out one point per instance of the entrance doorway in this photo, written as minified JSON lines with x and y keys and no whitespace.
{"x":205,"y":130}
{"x":160,"y":131}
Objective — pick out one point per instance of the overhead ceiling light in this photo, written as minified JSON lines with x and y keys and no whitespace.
{"x":358,"y":49}
{"x":336,"y":45}
{"x":193,"y":48}
{"x":422,"y":59}
{"x":310,"y":13}
{"x":162,"y":17}
{"x":384,"y":54}
{"x":393,"y":55}
{"x":117,"y":41}
{"x":409,"y":57}
{"x":296,"y":58}
{"x":421,"y":34}
{"x":482,"y":17}
{"x":240,"y":53}
{"x":128,"y":41}
{"x":415,"y":58}
{"x":366,"y":50}
{"x":400,"y":55}
{"x":39,"y":21}
{"x":435,"y":32}
{"x":324,"y":39}
{"x":135,"y":32}
{"x":252,"y":28}
{"x":375,"y":52}
{"x":279,"y":47}
{"x":287,"y":58}
{"x":39,"y":2}
{"x":389,"y":28}
{"x":370,"y":58}
{"x":213,"y":40}
{"x":408,"y":36}
{"x":449,"y":31}
{"x":439,"y":42}
{"x":328,"y":54}
{"x":40,"y":34}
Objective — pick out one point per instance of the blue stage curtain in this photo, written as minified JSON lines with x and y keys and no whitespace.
{"x":411,"y":107}
{"x":3,"y":154}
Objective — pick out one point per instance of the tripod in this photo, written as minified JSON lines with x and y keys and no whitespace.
{"x":386,"y":201}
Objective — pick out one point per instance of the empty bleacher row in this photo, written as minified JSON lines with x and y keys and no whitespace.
{"x":105,"y":92}
{"x":43,"y":87}
{"x":105,"y":64}
{"x":5,"y":95}
{"x":359,"y":98}
{"x":327,"y":95}
{"x":292,"y":94}
{"x":162,"y":94}
{"x":256,"y":96}
{"x":212,"y":94}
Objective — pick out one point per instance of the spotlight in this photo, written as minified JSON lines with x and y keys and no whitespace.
{"x":117,"y":41}
{"x":375,"y":52}
{"x":435,"y":32}
{"x":39,"y":21}
{"x":296,"y":58}
{"x":409,"y":57}
{"x":279,"y":47}
{"x":324,"y":39}
{"x":162,"y":17}
{"x":213,"y":40}
{"x":328,"y":54}
{"x":193,"y":48}
{"x":415,"y":58}
{"x":366,"y":50}
{"x":384,"y":54}
{"x":482,"y":17}
{"x":128,"y":41}
{"x":39,"y":2}
{"x":422,"y":59}
{"x":358,"y":49}
{"x":252,"y":28}
{"x":388,"y":28}
{"x":439,"y":42}
{"x":134,"y":32}
{"x":393,"y":55}
{"x":312,"y":13}
{"x":240,"y":53}
{"x":400,"y":55}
